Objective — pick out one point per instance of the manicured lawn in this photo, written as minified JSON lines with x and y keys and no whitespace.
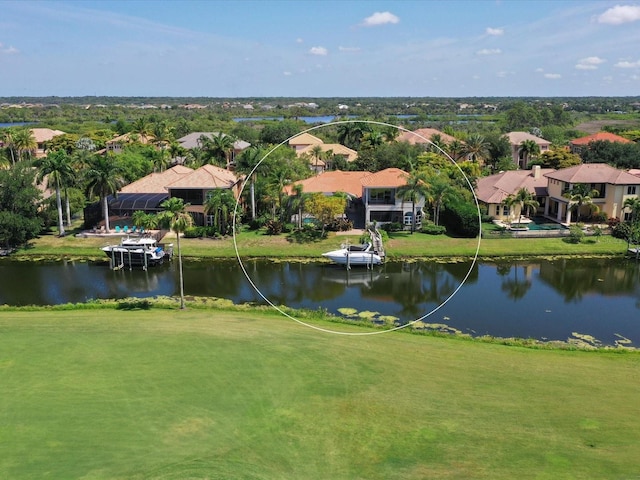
{"x":172,"y":394}
{"x":401,"y":244}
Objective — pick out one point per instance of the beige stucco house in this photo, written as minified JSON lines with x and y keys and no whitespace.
{"x":515,"y":140}
{"x":614,"y":187}
{"x":42,"y":136}
{"x":304,"y":144}
{"x":493,"y":190}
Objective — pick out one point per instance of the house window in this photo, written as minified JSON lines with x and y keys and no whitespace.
{"x":505,"y":210}
{"x":631,"y":190}
{"x":408,"y":218}
{"x":627,"y":216}
{"x":497,"y":209}
{"x":381,"y":216}
{"x":381,"y":196}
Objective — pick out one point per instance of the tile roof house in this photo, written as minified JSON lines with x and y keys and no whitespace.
{"x":116,"y":144}
{"x":372,"y":196}
{"x":494,"y":189}
{"x":421,"y":135}
{"x":194,"y":188}
{"x":41,"y":136}
{"x":515,"y":140}
{"x":579,"y":144}
{"x":147,"y":193}
{"x":192,"y":140}
{"x":304,"y":143}
{"x":614,"y":187}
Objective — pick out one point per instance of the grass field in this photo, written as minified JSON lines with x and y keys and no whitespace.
{"x":400,"y":244}
{"x":198,"y":394}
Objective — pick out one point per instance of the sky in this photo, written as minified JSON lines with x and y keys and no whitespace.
{"x":307,"y":48}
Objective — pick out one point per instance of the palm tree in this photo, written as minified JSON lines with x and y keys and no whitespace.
{"x":528,"y":149}
{"x":350,"y":133}
{"x":146,"y":221}
{"x":220,"y":203}
{"x":103,"y":178}
{"x":24,"y":143}
{"x":247,"y":162}
{"x":524,"y":200}
{"x":57,"y":170}
{"x":633,"y":204}
{"x":416,"y":187}
{"x":455,"y":148}
{"x":176,"y":215}
{"x":297,"y":202}
{"x":142,"y":128}
{"x":439,"y":190}
{"x":318,"y":154}
{"x":476,"y":147}
{"x":222,"y":148}
{"x":581,"y":195}
{"x":7,"y":138}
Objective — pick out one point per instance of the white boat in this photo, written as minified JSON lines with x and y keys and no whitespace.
{"x":354,"y":255}
{"x":137,"y":251}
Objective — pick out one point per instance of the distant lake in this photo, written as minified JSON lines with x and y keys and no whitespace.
{"x":312,"y":120}
{"x":15,"y":124}
{"x":540,"y":299}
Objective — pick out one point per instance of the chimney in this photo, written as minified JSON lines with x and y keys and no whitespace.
{"x":536,"y":171}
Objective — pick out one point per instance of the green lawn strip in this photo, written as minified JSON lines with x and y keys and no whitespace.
{"x":108,"y":394}
{"x":399,"y":245}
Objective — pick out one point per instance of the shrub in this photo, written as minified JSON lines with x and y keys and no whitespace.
{"x":600,"y":217}
{"x":621,"y":230}
{"x":307,"y":234}
{"x":575,"y":234}
{"x":433,"y":229}
{"x":274,"y":227}
{"x":612,"y":222}
{"x":392,"y":227}
{"x":340,"y":225}
{"x":462,"y":218}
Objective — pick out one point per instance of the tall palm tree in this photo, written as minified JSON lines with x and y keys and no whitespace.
{"x":247,"y":162}
{"x":220,"y":203}
{"x":103,"y":178}
{"x":56,"y":169}
{"x":318,"y":154}
{"x":176,"y":215}
{"x":417,"y":187}
{"x":7,"y":138}
{"x":146,"y":221}
{"x":350,"y":133}
{"x":455,"y":148}
{"x":581,"y":195}
{"x":24,"y":143}
{"x":439,"y":190}
{"x":222,"y":148}
{"x":142,"y":128}
{"x":528,"y":149}
{"x":633,"y":204}
{"x":476,"y":147}
{"x":524,"y":200}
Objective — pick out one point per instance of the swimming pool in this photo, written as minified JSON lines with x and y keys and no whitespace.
{"x":540,"y":223}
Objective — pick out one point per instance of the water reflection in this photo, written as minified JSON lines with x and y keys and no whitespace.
{"x":540,"y":299}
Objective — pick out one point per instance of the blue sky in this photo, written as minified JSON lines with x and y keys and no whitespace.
{"x":320,"y":48}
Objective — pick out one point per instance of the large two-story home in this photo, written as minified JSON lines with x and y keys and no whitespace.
{"x":373,"y":197}
{"x":613,"y":186}
{"x":41,"y":137}
{"x":194,"y":140}
{"x":519,"y":155}
{"x":305,"y":143}
{"x":551,"y":189}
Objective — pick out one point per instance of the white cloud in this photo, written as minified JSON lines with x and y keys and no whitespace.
{"x":8,"y":50}
{"x":349,"y":49}
{"x":627,"y":64}
{"x":318,"y":51}
{"x":489,"y":51}
{"x":286,"y":74}
{"x":539,"y":70}
{"x":620,"y":14}
{"x":503,"y":74}
{"x":380,"y":18}
{"x":552,"y":76}
{"x":299,"y":40}
{"x":494,"y":31}
{"x":589,"y":63}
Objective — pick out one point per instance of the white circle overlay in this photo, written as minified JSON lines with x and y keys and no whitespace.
{"x":336,"y":332}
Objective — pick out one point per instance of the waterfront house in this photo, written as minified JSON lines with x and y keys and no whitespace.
{"x":41,"y":137}
{"x":614,"y":186}
{"x":579,"y":144}
{"x":305,"y":143}
{"x":493,"y":190}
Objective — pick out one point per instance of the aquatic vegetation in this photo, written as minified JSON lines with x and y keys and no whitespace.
{"x":368,"y":314}
{"x":347,"y":311}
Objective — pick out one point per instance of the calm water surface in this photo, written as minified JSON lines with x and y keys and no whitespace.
{"x":543,"y":299}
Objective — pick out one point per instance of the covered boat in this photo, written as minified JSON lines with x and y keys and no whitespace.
{"x":137,"y":251}
{"x":363,"y":254}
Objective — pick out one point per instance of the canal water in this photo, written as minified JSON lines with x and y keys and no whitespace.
{"x":544,"y":299}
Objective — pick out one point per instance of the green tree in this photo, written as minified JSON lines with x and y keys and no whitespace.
{"x":7,"y":138}
{"x":24,"y":143}
{"x":19,"y":201}
{"x":524,"y":200}
{"x":103,"y":178}
{"x":56,"y":169}
{"x":633,"y":204}
{"x":581,"y":195}
{"x":415,"y":189}
{"x":325,"y":209}
{"x":528,"y":149}
{"x":439,"y":189}
{"x":176,"y":216}
{"x":476,"y":148}
{"x":220,"y":204}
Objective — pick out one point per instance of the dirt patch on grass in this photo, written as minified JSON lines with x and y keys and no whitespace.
{"x":594,"y":126}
